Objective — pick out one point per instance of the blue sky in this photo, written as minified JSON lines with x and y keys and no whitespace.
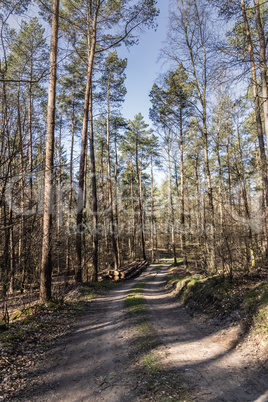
{"x":143,"y":68}
{"x":143,"y":65}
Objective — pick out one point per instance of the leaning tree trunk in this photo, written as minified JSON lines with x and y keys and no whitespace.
{"x":46,"y":263}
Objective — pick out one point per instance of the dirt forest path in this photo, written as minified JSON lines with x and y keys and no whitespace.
{"x":92,"y":362}
{"x":212,"y":371}
{"x":95,"y":362}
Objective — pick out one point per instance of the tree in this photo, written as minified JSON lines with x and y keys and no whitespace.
{"x":71,"y":84}
{"x":136,"y":144}
{"x":263,"y":66}
{"x":29,"y":53}
{"x":171,"y":107}
{"x":112,"y":83}
{"x":105,"y":25}
{"x":243,"y":39}
{"x":46,"y":264}
{"x":190,"y":39}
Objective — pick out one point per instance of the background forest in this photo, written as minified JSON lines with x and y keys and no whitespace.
{"x":80,"y":191}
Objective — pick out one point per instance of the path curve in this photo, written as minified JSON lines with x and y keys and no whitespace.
{"x":214,"y":372}
{"x":95,"y":362}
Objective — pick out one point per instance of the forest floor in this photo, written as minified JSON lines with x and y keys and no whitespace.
{"x":137,"y":342}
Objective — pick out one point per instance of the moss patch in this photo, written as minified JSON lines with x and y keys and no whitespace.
{"x":135,"y":303}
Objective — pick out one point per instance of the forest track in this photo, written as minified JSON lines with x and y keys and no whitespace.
{"x":92,"y":363}
{"x":96,"y":361}
{"x":212,"y":371}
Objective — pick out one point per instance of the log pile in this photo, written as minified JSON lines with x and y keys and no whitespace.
{"x":127,"y":272}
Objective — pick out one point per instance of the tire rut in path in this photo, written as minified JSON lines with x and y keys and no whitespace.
{"x":213,"y":372}
{"x":93,"y":362}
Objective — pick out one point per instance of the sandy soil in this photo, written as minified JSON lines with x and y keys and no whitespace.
{"x":96,"y":363}
{"x":203,"y":357}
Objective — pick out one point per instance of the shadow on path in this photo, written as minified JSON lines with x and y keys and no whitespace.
{"x":214,"y":372}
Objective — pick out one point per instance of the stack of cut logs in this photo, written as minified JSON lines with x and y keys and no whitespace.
{"x":134,"y":269}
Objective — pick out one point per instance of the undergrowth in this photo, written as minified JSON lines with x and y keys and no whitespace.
{"x":241,"y":298}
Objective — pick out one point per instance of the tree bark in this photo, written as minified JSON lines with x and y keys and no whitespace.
{"x":30,"y":135}
{"x":171,"y":208}
{"x":46,"y":263}
{"x":94,"y":196}
{"x":202,"y":91}
{"x":59,"y":206}
{"x":263,"y":66}
{"x":133,"y":251}
{"x":257,"y":108}
{"x":256,"y":95}
{"x":70,"y":196}
{"x":183,"y":237}
{"x":109,"y":180}
{"x":152,"y":209}
{"x":138,"y":169}
{"x":87,"y":118}
{"x":116,"y":197}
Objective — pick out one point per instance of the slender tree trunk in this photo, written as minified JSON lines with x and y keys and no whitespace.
{"x":138,"y":168}
{"x":229,"y":166}
{"x":183,"y":237}
{"x":8,"y":174}
{"x":257,"y":105}
{"x":11,"y":253}
{"x":152,"y":209}
{"x":116,"y":197}
{"x":81,"y":180}
{"x":221,"y":197}
{"x":94,"y":196}
{"x":202,"y":91}
{"x":142,"y":218}
{"x":109,"y":180}
{"x":21,"y":243}
{"x":46,"y":263}
{"x":249,"y":239}
{"x":9,"y":241}
{"x":30,"y":135}
{"x":133,"y":215}
{"x":87,"y":117}
{"x":256,"y":95}
{"x":59,"y":206}
{"x":70,"y":196}
{"x":84,"y":214}
{"x":171,"y":208}
{"x":104,"y":204}
{"x":263,"y":66}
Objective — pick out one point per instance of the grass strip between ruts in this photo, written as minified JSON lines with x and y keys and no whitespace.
{"x":158,"y":382}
